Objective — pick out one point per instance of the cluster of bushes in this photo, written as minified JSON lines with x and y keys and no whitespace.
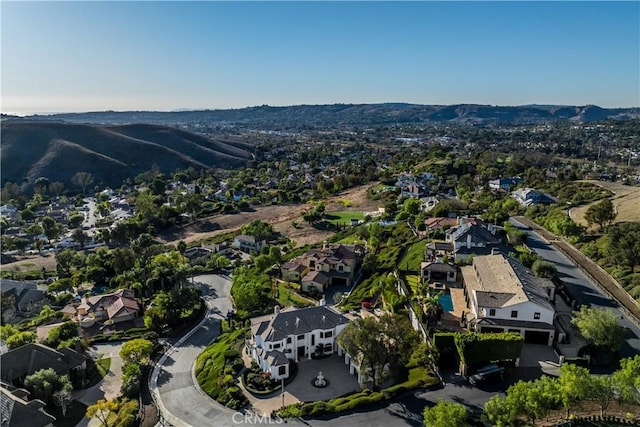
{"x":418,"y":377}
{"x":132,"y":333}
{"x":259,"y":382}
{"x":217,"y":367}
{"x":135,"y":355}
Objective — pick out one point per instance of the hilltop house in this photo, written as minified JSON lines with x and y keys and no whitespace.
{"x":504,"y":296}
{"x":319,"y":268}
{"x":116,"y":307}
{"x":472,"y":237}
{"x":17,"y":364}
{"x":528,"y":196}
{"x":504,"y":184}
{"x":293,"y":334}
{"x":248,"y":244}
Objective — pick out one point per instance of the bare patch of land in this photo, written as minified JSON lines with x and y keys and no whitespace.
{"x":280,"y":216}
{"x":626,"y":202}
{"x":31,"y":262}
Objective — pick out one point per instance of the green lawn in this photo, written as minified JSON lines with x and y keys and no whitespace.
{"x":413,"y":256}
{"x":413,"y":282}
{"x":343,"y":218}
{"x":287,"y":296}
{"x":217,"y":365}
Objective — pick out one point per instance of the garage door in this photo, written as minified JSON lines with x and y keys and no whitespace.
{"x":536,"y":337}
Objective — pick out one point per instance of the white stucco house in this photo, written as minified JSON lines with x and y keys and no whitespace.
{"x":504,"y":296}
{"x":293,"y":334}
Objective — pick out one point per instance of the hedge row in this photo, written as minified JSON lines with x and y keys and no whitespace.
{"x":418,"y":378}
{"x":479,"y":349}
{"x":124,"y":335}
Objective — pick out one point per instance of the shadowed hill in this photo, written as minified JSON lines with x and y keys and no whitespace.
{"x":268,"y":117}
{"x":111,"y":154}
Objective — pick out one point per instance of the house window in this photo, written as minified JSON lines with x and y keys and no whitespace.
{"x":514,"y":313}
{"x":313,"y":340}
{"x":492,"y":312}
{"x":276,"y":346}
{"x":282,"y":370}
{"x":328,"y":334}
{"x":288,"y":340}
{"x":340,"y":268}
{"x":536,"y":316}
{"x":301,"y":337}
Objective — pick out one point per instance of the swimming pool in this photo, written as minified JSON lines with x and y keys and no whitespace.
{"x":446,"y":302}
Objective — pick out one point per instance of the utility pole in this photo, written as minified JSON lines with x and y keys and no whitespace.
{"x":282,"y":379}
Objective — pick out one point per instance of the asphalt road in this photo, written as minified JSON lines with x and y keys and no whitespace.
{"x":582,"y":288}
{"x":172,"y":382}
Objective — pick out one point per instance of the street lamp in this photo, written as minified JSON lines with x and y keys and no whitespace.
{"x":282,"y":379}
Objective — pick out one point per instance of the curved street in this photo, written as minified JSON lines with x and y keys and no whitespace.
{"x":180,"y":401}
{"x":583,"y":288}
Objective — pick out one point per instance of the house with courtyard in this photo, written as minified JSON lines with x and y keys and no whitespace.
{"x":318,"y":269}
{"x":115,"y":307}
{"x":293,"y":334}
{"x":504,"y":296}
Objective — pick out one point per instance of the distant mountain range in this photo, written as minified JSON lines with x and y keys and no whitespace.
{"x":31,"y":149}
{"x":267,"y":117}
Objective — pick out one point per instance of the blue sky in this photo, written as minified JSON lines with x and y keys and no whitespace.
{"x":88,"y":56}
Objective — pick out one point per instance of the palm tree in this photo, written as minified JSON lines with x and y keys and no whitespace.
{"x":432,"y":308}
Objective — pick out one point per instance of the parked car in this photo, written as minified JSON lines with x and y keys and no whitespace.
{"x":487,"y":373}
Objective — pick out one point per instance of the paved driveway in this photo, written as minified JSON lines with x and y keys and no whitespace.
{"x":109,"y":387}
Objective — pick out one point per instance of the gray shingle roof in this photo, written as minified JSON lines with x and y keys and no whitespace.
{"x":292,"y":321}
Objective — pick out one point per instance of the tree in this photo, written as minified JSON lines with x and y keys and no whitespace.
{"x":75,"y":220}
{"x":56,"y":188}
{"x":627,"y":379}
{"x":62,"y":398}
{"x":101,"y":410}
{"x":50,"y":227}
{"x":64,"y":332}
{"x":543,"y":269}
{"x":45,"y":383}
{"x":498,"y":412}
{"x":532,"y":399}
{"x":573,"y":385}
{"x":600,"y":327}
{"x":19,"y":339}
{"x":377,"y":343}
{"x":603,"y":391}
{"x":42,"y":185}
{"x":136,"y":351}
{"x":80,"y":237}
{"x":602,"y":213}
{"x":82,"y":180}
{"x":445,"y":414}
{"x":623,"y":243}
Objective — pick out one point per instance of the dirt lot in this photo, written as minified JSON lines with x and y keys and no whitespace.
{"x":626,"y":202}
{"x":31,"y":262}
{"x":280,"y":216}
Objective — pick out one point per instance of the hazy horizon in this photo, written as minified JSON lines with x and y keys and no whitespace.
{"x":60,"y":57}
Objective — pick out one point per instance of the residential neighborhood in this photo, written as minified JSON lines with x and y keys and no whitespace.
{"x":340,"y":273}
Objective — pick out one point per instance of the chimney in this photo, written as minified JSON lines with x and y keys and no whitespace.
{"x":276,"y":309}
{"x":494,"y":251}
{"x":469,"y":241}
{"x":322,"y":302}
